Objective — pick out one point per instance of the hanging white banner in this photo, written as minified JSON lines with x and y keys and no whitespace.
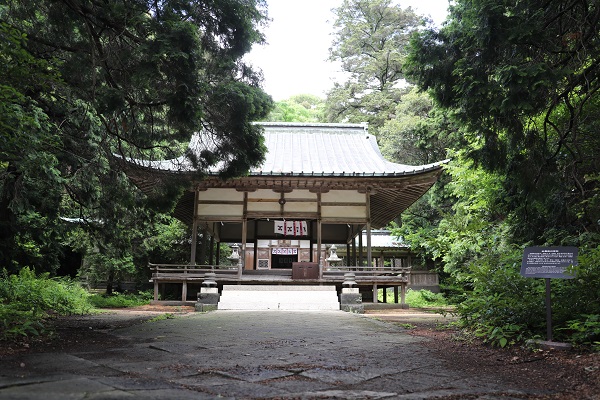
{"x":280,"y":227}
{"x":291,"y":228}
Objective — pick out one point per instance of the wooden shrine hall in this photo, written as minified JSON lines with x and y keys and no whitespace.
{"x":320,"y":184}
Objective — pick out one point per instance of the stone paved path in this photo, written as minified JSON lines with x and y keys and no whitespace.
{"x":249,"y":355}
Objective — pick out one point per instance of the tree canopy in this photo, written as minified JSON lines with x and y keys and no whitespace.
{"x":298,"y":108}
{"x":371,"y":41}
{"x":86,"y":80}
{"x":519,"y":80}
{"x":523,"y":79}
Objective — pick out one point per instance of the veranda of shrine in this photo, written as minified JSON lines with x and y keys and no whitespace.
{"x":331,"y":180}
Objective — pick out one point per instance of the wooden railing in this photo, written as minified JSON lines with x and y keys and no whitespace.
{"x":165,"y":272}
{"x":187,"y":271}
{"x":363,"y":275}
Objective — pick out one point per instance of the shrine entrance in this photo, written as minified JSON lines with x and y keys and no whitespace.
{"x":283,"y":260}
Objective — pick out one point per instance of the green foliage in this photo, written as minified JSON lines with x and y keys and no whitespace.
{"x":420,"y":298}
{"x":585,"y":331}
{"x":121,"y":300}
{"x":418,"y":133}
{"x":27,"y":299}
{"x":370,"y":41}
{"x":425,"y":298}
{"x":86,"y":84}
{"x":500,"y":336}
{"x":162,"y":317}
{"x":300,"y":108}
{"x":516,"y":76}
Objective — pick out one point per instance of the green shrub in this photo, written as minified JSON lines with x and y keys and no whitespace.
{"x":27,"y":299}
{"x":504,"y":308}
{"x":121,"y":300}
{"x":419,"y":298}
{"x":585,"y":331}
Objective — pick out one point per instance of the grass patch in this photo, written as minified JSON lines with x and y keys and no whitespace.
{"x":121,"y":300}
{"x":408,"y":326}
{"x":162,"y":317}
{"x":419,"y":298}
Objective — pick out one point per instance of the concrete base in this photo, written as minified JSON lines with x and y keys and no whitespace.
{"x":351,"y":301}
{"x":353,"y":308}
{"x":297,"y":297}
{"x":550,"y":345}
{"x":208,"y":298}
{"x":200,"y":307}
{"x":171,"y":303}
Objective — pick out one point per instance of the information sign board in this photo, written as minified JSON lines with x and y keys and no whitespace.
{"x":548,"y":262}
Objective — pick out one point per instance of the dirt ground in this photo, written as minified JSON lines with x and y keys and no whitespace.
{"x":574,"y":374}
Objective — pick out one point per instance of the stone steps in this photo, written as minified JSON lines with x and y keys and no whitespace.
{"x":292,"y":298}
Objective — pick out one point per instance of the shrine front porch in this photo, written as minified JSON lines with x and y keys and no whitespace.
{"x":178,"y":284}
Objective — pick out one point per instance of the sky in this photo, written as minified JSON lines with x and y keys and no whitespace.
{"x":294,"y":60}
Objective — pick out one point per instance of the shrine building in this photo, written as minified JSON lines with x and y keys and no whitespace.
{"x":320,"y":185}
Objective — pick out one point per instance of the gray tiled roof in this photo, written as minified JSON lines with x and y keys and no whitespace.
{"x":325,"y":149}
{"x":311,"y":149}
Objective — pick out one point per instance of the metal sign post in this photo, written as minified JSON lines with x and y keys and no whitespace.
{"x":548,"y":263}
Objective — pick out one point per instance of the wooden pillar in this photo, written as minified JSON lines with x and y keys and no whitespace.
{"x":184,"y":291}
{"x":375,"y":293}
{"x":395,"y":294}
{"x":369,"y":255}
{"x":203,"y":246}
{"x":242,"y":261}
{"x":319,"y":237}
{"x":348,"y":258}
{"x":319,"y":226}
{"x":155,"y":290}
{"x":403,"y":295}
{"x":354,"y":251}
{"x":194,"y":229}
{"x":384,"y":290}
{"x":218,"y":254}
{"x":255,"y":252}
{"x":360,"y":249}
{"x":211,"y":254}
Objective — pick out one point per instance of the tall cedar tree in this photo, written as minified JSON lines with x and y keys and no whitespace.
{"x":371,"y":42}
{"x":129,"y":77}
{"x":523,"y":78}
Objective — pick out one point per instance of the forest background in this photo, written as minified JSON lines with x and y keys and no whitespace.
{"x":507,"y":90}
